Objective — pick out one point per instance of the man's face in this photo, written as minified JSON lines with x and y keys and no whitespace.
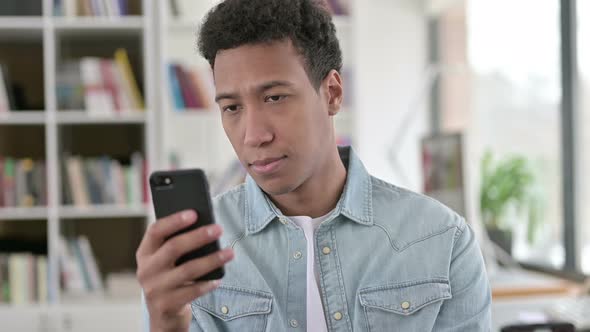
{"x":277,"y":122}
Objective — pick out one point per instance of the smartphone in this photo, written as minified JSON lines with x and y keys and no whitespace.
{"x":187,"y":189}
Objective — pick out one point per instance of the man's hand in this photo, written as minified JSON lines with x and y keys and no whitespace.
{"x":169,"y":289}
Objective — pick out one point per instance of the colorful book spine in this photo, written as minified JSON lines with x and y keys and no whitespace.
{"x":122,"y":60}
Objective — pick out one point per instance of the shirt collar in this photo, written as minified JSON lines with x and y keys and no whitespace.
{"x":355,"y":202}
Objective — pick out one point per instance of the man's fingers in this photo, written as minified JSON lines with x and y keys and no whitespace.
{"x":196,"y":268}
{"x":157,"y":232}
{"x":179,"y":245}
{"x":189,"y":293}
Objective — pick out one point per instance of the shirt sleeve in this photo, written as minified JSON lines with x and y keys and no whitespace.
{"x":469,"y":309}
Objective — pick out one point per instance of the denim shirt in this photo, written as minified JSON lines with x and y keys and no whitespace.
{"x":389,"y":260}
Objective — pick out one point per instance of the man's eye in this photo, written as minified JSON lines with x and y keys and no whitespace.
{"x":230,"y":108}
{"x":274,"y":98}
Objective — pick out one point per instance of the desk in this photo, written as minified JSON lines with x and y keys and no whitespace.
{"x":522,"y":283}
{"x":516,"y":292}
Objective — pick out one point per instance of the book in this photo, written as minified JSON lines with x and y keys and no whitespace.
{"x":30,"y":196}
{"x":17,"y":276}
{"x":97,"y":99}
{"x":91,"y":263}
{"x":70,"y":8}
{"x":187,"y":90}
{"x":177,"y":100}
{"x":123,"y":7}
{"x":4,"y":297}
{"x":119,"y":182}
{"x":8,"y":181}
{"x":90,"y":181}
{"x":69,"y":86}
{"x":70,"y":272}
{"x":122,"y":61}
{"x":80,"y":262}
{"x":67,"y":196}
{"x":191,"y":87}
{"x":42,"y":279}
{"x":4,"y":85}
{"x":137,"y":173}
{"x":200,"y":90}
{"x":77,"y":184}
{"x":109,"y":82}
{"x":104,"y":180}
{"x":1,"y":182}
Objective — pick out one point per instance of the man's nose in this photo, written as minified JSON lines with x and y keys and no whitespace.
{"x":258,"y":130}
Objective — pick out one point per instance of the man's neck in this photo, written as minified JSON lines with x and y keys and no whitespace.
{"x":319,"y":194}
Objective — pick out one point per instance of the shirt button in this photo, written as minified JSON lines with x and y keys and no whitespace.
{"x":293,"y":323}
{"x":283,"y":220}
{"x":326,"y":250}
{"x":224,"y":310}
{"x":337,"y":315}
{"x":297,"y":255}
{"x":406,"y":305}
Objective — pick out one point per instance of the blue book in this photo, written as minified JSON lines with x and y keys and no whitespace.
{"x":175,"y":87}
{"x":123,"y":7}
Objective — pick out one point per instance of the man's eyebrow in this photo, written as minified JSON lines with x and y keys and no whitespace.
{"x":273,"y":84}
{"x":261,"y":88}
{"x":226,"y":96}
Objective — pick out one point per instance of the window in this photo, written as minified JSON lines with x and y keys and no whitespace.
{"x":508,"y":103}
{"x":583,"y":135}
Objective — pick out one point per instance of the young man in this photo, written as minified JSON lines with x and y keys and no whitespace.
{"x":317,"y":243}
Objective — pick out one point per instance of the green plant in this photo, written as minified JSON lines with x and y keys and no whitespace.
{"x":504,"y":184}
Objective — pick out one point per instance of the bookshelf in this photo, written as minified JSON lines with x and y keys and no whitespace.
{"x":195,"y":137}
{"x":37,"y":126}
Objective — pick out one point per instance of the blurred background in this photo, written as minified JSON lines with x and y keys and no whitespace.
{"x":483,"y":105}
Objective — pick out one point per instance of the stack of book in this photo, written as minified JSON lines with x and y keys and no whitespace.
{"x":192,"y":88}
{"x":22,"y":182}
{"x":92,"y":181}
{"x":79,"y":270}
{"x":102,"y":87}
{"x":109,"y":8}
{"x":23,"y":278}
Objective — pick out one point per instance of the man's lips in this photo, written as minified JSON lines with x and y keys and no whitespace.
{"x":267,"y":165}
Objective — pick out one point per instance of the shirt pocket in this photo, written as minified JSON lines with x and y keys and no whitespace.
{"x":230,"y":308}
{"x":409,"y":306}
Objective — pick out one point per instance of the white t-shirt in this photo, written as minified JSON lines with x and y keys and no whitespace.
{"x":316,"y":321}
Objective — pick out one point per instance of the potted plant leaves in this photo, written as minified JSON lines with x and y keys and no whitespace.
{"x":507,"y":184}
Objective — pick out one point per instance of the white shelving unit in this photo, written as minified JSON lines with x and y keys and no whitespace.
{"x":22,"y":118}
{"x":86,"y":313}
{"x":195,"y":135}
{"x":81,"y":117}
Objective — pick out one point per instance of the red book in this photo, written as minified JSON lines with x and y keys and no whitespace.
{"x":189,"y":101}
{"x":194,"y":88}
{"x":110,"y":85}
{"x":200,"y":90}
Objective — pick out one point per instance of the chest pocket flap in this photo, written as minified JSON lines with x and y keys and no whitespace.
{"x":229,"y":302}
{"x":405,"y":298}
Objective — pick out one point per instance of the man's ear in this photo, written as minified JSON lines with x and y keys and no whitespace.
{"x":333,"y":91}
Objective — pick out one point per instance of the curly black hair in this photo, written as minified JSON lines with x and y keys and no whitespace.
{"x":307,"y":23}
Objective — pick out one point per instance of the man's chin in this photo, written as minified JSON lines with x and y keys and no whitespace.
{"x":275,"y":187}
